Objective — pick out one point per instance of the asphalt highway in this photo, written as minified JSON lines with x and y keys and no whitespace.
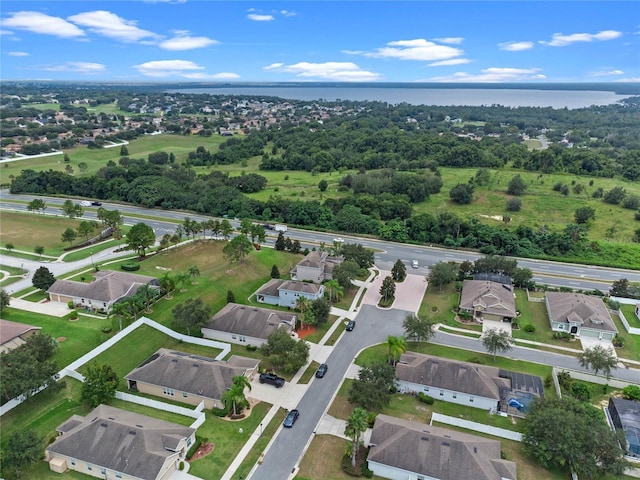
{"x":570,"y":275}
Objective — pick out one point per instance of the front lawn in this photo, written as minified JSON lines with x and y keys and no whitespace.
{"x":438,"y":305}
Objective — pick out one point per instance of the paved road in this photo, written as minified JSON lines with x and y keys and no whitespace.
{"x":374,"y":326}
{"x":551,"y":273}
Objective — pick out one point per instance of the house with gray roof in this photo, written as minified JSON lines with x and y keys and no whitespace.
{"x":402,"y":450}
{"x":189,"y":378}
{"x":113,"y":443}
{"x":107,"y":288}
{"x":315,"y":267}
{"x":247,"y":325}
{"x":469,"y":384}
{"x":580,"y":315}
{"x":488,"y":300}
{"x":285,"y":293}
{"x":625,"y":416}
{"x":14,"y":334}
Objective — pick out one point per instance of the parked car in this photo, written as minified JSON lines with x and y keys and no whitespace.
{"x":291,"y":418}
{"x":96,"y":203}
{"x":272,"y":379}
{"x":414,"y":263}
{"x":351,"y":325}
{"x":322,"y":369}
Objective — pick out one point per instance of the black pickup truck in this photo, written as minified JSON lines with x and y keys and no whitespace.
{"x":272,"y":378}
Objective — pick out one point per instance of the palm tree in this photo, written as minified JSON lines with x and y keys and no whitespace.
{"x":182,"y":279}
{"x":303,"y":304}
{"x":234,"y":396}
{"x":241,"y":381}
{"x":194,"y":272}
{"x":356,"y":425}
{"x":167,"y":284}
{"x":397,"y":346}
{"x":134,"y":306}
{"x":146,"y":294}
{"x":120,"y":309}
{"x":336,"y":291}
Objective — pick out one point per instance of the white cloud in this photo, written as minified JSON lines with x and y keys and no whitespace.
{"x":515,"y":46}
{"x":180,"y":68}
{"x":111,"y":25}
{"x":606,"y":73}
{"x":256,"y":17}
{"x":630,"y":80}
{"x":453,"y":61}
{"x":182,"y":41}
{"x":454,"y":40}
{"x":417,"y":49}
{"x":493,"y":75}
{"x":37,"y":22}
{"x":560,"y":40}
{"x":19,"y":54}
{"x":287,"y":13}
{"x":78,"y":67}
{"x":336,"y":71}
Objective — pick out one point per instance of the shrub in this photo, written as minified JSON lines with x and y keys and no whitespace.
{"x":618,"y":341}
{"x":424,"y":398}
{"x":220,"y":412}
{"x":371,"y":419}
{"x":106,"y":329}
{"x":580,"y":391}
{"x":548,"y":381}
{"x":251,"y":348}
{"x":70,"y":304}
{"x":130,"y":266}
{"x":475,"y":360}
{"x":529,"y":328}
{"x":194,"y":448}
{"x":562,"y":336}
{"x":631,"y":392}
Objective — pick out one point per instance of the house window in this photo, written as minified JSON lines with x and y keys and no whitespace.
{"x":89,"y":467}
{"x":188,"y":441}
{"x":118,"y":475}
{"x":104,"y":304}
{"x":233,"y":337}
{"x":185,"y":394}
{"x":103,"y":471}
{"x":426,"y":389}
{"x":73,"y":462}
{"x":82,"y":300}
{"x":455,"y":395}
{"x":441,"y":393}
{"x":168,"y":391}
{"x":470,"y":399}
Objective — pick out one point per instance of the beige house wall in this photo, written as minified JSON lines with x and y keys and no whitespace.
{"x":178,"y":396}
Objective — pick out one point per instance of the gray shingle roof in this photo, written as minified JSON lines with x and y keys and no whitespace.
{"x":108,"y":286}
{"x":579,"y":308}
{"x":272,"y":287}
{"x":489,"y":297}
{"x":10,"y":330}
{"x":191,"y":373}
{"x":250,"y":321}
{"x":451,"y":375}
{"x":123,"y":441}
{"x":437,"y":452}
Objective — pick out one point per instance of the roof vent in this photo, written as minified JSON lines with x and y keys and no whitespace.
{"x":426,"y":439}
{"x":195,"y":365}
{"x":132,"y":432}
{"x":138,"y":425}
{"x":111,"y":418}
{"x":446,"y":444}
{"x":174,"y":360}
{"x":475,"y":449}
{"x":103,"y":424}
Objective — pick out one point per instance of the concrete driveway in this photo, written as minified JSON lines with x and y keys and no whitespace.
{"x":588,"y":342}
{"x":409,"y":293}
{"x":55,"y":309}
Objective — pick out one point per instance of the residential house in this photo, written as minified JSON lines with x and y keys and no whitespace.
{"x":478,"y":386}
{"x":13,"y":334}
{"x":488,"y":300}
{"x":189,"y":378}
{"x":107,"y":288}
{"x":246,"y":325}
{"x":111,"y":443}
{"x":315,"y":267}
{"x":286,"y":293}
{"x":406,"y":450}
{"x":580,"y":315}
{"x":625,"y":416}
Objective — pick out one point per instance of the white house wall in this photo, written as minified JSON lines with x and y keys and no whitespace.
{"x":394,"y":473}
{"x":445,"y":395}
{"x":231,"y":337}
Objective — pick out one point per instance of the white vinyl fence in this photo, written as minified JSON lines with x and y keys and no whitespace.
{"x":477,"y":427}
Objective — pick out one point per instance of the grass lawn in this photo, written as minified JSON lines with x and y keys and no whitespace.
{"x":14,"y":274}
{"x":140,"y":344}
{"x":320,"y":330}
{"x":627,"y":310}
{"x":216,"y":275}
{"x":227,"y":440}
{"x":437,"y":305}
{"x":36,"y":296}
{"x":75,"y":337}
{"x":322,"y":460}
{"x":631,"y":348}
{"x":309,"y":372}
{"x":18,"y":229}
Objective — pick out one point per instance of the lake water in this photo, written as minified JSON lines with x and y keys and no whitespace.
{"x":511,"y":97}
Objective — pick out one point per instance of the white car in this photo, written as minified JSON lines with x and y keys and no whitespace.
{"x":85,"y":203}
{"x":414,"y":263}
{"x":338,"y":240}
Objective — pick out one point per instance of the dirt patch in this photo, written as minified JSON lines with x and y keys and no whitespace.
{"x":162,"y":268}
{"x":492,"y":217}
{"x":305,"y":331}
{"x":61,"y":339}
{"x":204,"y":450}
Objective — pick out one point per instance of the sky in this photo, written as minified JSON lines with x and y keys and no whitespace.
{"x":320,"y":41}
